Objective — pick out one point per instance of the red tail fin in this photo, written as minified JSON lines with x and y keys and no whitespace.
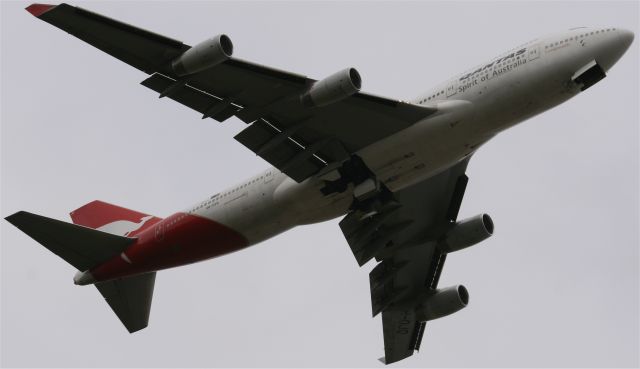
{"x":112,"y":219}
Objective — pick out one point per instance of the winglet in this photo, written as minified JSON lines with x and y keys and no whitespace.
{"x":38,"y":9}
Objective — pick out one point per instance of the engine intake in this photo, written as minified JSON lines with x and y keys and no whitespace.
{"x":467,"y":233}
{"x":336,"y":87}
{"x":204,"y":55}
{"x":443,"y":302}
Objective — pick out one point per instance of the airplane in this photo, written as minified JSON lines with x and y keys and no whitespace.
{"x":395,"y":170}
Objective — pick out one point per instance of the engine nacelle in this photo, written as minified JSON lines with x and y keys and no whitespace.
{"x":334,"y":88}
{"x":204,"y":55}
{"x":467,"y":233}
{"x":443,"y":302}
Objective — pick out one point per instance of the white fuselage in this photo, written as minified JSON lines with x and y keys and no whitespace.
{"x":472,"y":108}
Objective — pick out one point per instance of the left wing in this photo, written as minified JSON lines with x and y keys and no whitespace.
{"x":410,"y":234}
{"x":298,"y":138}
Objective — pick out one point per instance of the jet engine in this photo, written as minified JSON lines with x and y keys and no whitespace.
{"x":334,"y":88}
{"x":467,"y":233}
{"x":204,"y":55}
{"x":443,"y":302}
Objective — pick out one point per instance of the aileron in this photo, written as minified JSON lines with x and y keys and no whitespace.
{"x":137,"y":47}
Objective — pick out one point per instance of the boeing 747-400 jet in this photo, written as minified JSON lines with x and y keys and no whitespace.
{"x":394,"y":170}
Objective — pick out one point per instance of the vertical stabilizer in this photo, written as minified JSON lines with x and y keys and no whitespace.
{"x":112,"y":218}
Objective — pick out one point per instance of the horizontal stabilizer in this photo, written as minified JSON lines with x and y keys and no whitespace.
{"x":130,"y":298}
{"x":80,"y":246}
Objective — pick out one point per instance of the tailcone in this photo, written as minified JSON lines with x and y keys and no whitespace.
{"x":83,"y":278}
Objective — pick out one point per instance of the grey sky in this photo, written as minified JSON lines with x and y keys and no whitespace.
{"x":558,"y":284}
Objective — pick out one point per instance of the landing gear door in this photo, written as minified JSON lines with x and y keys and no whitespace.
{"x":534,"y":52}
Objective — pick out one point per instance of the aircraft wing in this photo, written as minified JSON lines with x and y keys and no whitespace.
{"x":405,"y":235}
{"x":297,"y":139}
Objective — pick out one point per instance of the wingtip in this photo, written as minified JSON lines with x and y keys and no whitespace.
{"x":12,"y":218}
{"x":134,"y":329}
{"x":39,"y":9}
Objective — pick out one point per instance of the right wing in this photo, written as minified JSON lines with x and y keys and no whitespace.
{"x":405,"y":234}
{"x":297,"y":139}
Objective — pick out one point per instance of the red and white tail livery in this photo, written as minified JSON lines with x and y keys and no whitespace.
{"x":112,"y":219}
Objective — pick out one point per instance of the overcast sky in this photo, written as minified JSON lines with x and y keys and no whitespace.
{"x":558,"y":284}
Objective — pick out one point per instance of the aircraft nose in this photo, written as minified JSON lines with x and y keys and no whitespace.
{"x":625,"y":38}
{"x":610,"y":47}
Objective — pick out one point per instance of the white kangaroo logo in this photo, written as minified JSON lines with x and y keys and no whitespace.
{"x":124,"y":227}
